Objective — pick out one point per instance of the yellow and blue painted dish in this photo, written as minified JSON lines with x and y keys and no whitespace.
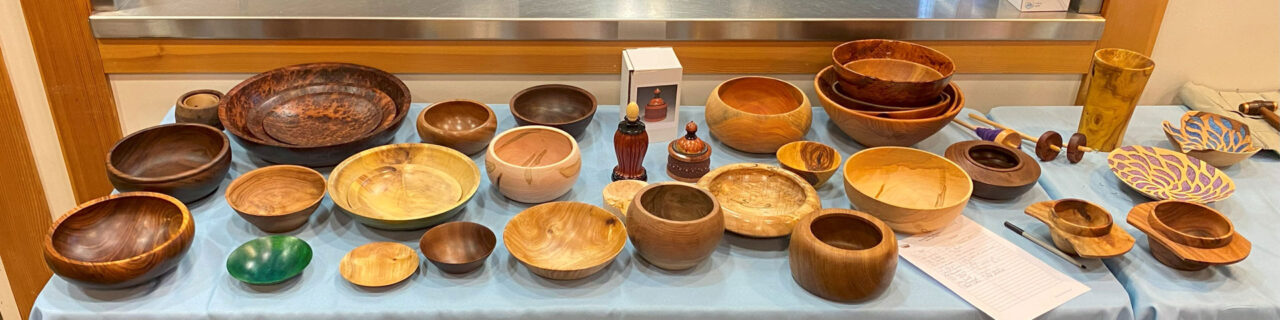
{"x":1212,"y":138}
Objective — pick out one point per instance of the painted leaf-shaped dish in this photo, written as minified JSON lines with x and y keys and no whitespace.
{"x":1212,"y":138}
{"x":1163,"y":174}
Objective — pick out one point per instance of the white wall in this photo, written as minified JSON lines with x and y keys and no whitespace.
{"x":1227,"y":45}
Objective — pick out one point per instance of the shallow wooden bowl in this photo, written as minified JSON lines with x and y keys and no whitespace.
{"x":998,"y":171}
{"x":183,"y":160}
{"x":378,"y":264}
{"x":277,"y":198}
{"x":563,"y":107}
{"x":120,"y":240}
{"x":564,"y":240}
{"x":913,"y":191}
{"x":618,"y":194}
{"x":890,"y":72}
{"x":843,"y":255}
{"x":874,"y":131}
{"x":269,"y":260}
{"x":1189,"y":236}
{"x":1163,"y":174}
{"x":760,"y":200}
{"x":533,"y":164}
{"x":404,"y":186}
{"x":1212,"y":138}
{"x":458,"y":247}
{"x":1082,"y":228}
{"x":198,"y":106}
{"x":883,"y":111}
{"x":758,"y":114}
{"x":464,"y":125}
{"x":813,"y":161}
{"x":674,"y":225}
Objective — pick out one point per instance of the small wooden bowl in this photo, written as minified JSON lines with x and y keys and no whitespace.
{"x":538,"y":163}
{"x":404,"y":186}
{"x":277,"y":198}
{"x":813,"y":161}
{"x":378,"y":264}
{"x":199,"y":106}
{"x":890,"y":72}
{"x":269,"y":260}
{"x":843,"y":255}
{"x":464,"y":125}
{"x":758,"y":114}
{"x":118,"y":241}
{"x":913,"y":191}
{"x":931,"y":110}
{"x":564,"y":240}
{"x":618,"y":194}
{"x":1188,"y":236}
{"x":675,"y":225}
{"x":458,"y":247}
{"x":1082,"y":228}
{"x":1162,"y":174}
{"x":563,"y":107}
{"x":183,"y":160}
{"x":760,"y":200}
{"x":999,"y":172}
{"x":874,"y":131}
{"x":1212,"y":138}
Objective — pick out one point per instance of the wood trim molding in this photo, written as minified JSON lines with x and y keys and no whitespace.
{"x":22,"y":199}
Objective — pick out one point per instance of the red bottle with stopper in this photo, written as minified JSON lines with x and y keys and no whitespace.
{"x":630,"y":143}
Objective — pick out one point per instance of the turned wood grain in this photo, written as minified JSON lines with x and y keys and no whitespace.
{"x":674,"y":225}
{"x":927,"y":111}
{"x":758,"y":114}
{"x":1082,"y":228}
{"x":890,"y":72}
{"x":618,"y":194}
{"x":1117,"y":80}
{"x":23,"y":196}
{"x":464,"y":125}
{"x":843,"y":255}
{"x":760,"y":200}
{"x":998,"y":172}
{"x":184,"y":160}
{"x":559,"y":106}
{"x":120,"y":240}
{"x":277,"y":198}
{"x":457,"y":247}
{"x":688,"y":157}
{"x":912,"y":191}
{"x":199,"y":106}
{"x":564,"y":240}
{"x":533,"y":164}
{"x":1188,"y":236}
{"x":378,"y":264}
{"x":871,"y":130}
{"x":404,"y":186}
{"x":813,"y":161}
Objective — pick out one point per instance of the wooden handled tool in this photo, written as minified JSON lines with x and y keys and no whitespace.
{"x":1266,"y":109}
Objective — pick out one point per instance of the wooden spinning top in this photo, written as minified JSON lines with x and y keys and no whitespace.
{"x":689,"y":158}
{"x":656,"y":110}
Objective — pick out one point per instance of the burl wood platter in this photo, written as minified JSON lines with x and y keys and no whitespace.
{"x":404,"y":186}
{"x":533,"y":164}
{"x":912,"y":191}
{"x":843,"y":255}
{"x":758,"y":114}
{"x":1082,"y":228}
{"x":184,"y":160}
{"x":379,"y":264}
{"x":464,"y":125}
{"x":564,"y":240}
{"x":813,"y":161}
{"x":891,"y":72}
{"x":120,"y":240}
{"x":998,"y":171}
{"x":1189,"y":236}
{"x":1212,"y":138}
{"x":277,"y":198}
{"x":675,"y":225}
{"x":760,"y":200}
{"x":458,"y":247}
{"x":873,"y":130}
{"x":1163,"y":174}
{"x":269,"y":260}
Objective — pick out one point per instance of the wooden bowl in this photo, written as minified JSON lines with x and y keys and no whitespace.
{"x":890,"y":72}
{"x":464,"y":125}
{"x":315,"y":114}
{"x":760,"y":200}
{"x":813,"y":161}
{"x":1163,"y":174}
{"x":563,"y":107}
{"x":1212,"y":138}
{"x":539,"y":163}
{"x":564,"y":240}
{"x":674,"y":225}
{"x":269,"y":260}
{"x":404,"y":186}
{"x":913,"y":191}
{"x":1189,"y":236}
{"x":378,"y":264}
{"x":183,"y":160}
{"x":758,"y":114}
{"x":873,"y":131}
{"x":121,"y":240}
{"x":1082,"y":228}
{"x":199,"y":106}
{"x":458,"y":247}
{"x":998,"y":171}
{"x":276,"y":198}
{"x":618,"y":194}
{"x":883,"y":111}
{"x":843,"y":255}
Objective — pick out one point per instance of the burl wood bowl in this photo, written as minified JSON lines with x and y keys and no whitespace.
{"x":760,"y":200}
{"x":674,"y":225}
{"x":315,"y":114}
{"x":883,"y":111}
{"x":1212,"y":138}
{"x":1189,"y":236}
{"x":378,"y":264}
{"x":618,"y":194}
{"x":1081,"y":228}
{"x":563,"y":107}
{"x":998,"y":171}
{"x":277,"y":198}
{"x":913,"y":191}
{"x":758,"y":114}
{"x":843,"y":255}
{"x":533,"y":164}
{"x":890,"y":72}
{"x":813,"y":161}
{"x":564,"y":240}
{"x":1163,"y":174}
{"x":872,"y":130}
{"x":199,"y":106}
{"x":464,"y":125}
{"x":120,"y":240}
{"x":458,"y":247}
{"x":404,"y":186}
{"x":183,"y":160}
{"x":269,"y":260}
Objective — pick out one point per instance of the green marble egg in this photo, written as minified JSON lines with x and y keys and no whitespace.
{"x":269,"y":260}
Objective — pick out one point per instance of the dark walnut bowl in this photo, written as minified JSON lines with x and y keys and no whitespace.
{"x":458,"y":247}
{"x":559,"y":106}
{"x":120,"y":240}
{"x":184,"y":160}
{"x":889,"y":72}
{"x":998,"y":172}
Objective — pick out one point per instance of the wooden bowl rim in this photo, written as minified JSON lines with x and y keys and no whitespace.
{"x":595,"y":210}
{"x":965,"y":147}
{"x":1148,"y":63}
{"x":957,"y":101}
{"x":457,"y":224}
{"x":953,"y":166}
{"x":1210,"y":170}
{"x":837,"y":63}
{"x":288,"y":238}
{"x":1160,"y":226}
{"x":810,"y":196}
{"x":335,"y":191}
{"x":259,"y":172}
{"x":1237,"y":126}
{"x":183,"y":98}
{"x":494,"y":155}
{"x":715,"y":204}
{"x":514,"y":111}
{"x":186,"y":223}
{"x":887,"y":237}
{"x":1075,"y":228}
{"x":796,"y":144}
{"x":422,"y":116}
{"x":804,"y":99}
{"x":944,"y":100}
{"x":223,"y":152}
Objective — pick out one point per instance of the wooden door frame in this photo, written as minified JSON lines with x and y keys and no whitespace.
{"x":26,"y":216}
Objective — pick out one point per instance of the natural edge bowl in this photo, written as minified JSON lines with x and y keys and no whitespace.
{"x":564,"y":240}
{"x":911,"y":190}
{"x":998,"y":172}
{"x":464,"y":125}
{"x":843,"y":255}
{"x":1212,"y":138}
{"x":760,"y":200}
{"x":118,"y":241}
{"x":814,"y":161}
{"x":277,"y":198}
{"x":560,"y":106}
{"x":457,"y":247}
{"x":871,"y":130}
{"x":269,"y":260}
{"x":879,"y":89}
{"x":184,"y":160}
{"x":539,"y":163}
{"x":758,"y":114}
{"x":404,"y":186}
{"x":674,"y":225}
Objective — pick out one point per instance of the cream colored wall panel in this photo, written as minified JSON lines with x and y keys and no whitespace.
{"x":1221,"y":44}
{"x":8,"y":308}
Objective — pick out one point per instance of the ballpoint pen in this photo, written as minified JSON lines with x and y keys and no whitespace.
{"x":1044,"y":245}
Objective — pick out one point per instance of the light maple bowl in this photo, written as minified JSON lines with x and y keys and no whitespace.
{"x":464,"y":125}
{"x":871,"y":130}
{"x":618,"y":194}
{"x":404,"y":186}
{"x":120,"y":240}
{"x":813,"y":161}
{"x":533,"y":164}
{"x":564,"y":240}
{"x":675,"y":225}
{"x":843,"y":255}
{"x":911,"y":190}
{"x":277,"y":198}
{"x":760,"y":200}
{"x":758,"y":114}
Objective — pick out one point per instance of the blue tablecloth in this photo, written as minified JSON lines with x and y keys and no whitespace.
{"x":744,"y":279}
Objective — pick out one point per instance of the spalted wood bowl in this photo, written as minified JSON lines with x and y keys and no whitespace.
{"x":843,"y":255}
{"x":618,"y":194}
{"x":458,"y":247}
{"x":464,"y":125}
{"x":674,"y":225}
{"x":874,"y":131}
{"x":813,"y":161}
{"x":183,"y":160}
{"x":1212,"y":138}
{"x":533,"y":164}
{"x":998,"y":171}
{"x":315,"y":114}
{"x":891,"y":72}
{"x":758,"y":114}
{"x":378,"y":264}
{"x":404,"y":186}
{"x":269,"y":260}
{"x":120,"y":240}
{"x":563,"y":107}
{"x":760,"y":200}
{"x":277,"y":198}
{"x":564,"y":240}
{"x":932,"y":110}
{"x":1189,"y":236}
{"x":913,"y":191}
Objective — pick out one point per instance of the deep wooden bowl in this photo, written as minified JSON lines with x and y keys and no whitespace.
{"x":378,"y":264}
{"x":120,"y":240}
{"x":813,"y":161}
{"x":843,"y":255}
{"x":277,"y":198}
{"x":998,"y":171}
{"x":618,"y":194}
{"x":1189,"y":236}
{"x":760,"y":200}
{"x":198,"y":106}
{"x":563,"y":107}
{"x":458,"y":247}
{"x":674,"y":225}
{"x":564,"y":240}
{"x":269,"y":260}
{"x":874,"y":131}
{"x":315,"y":114}
{"x":464,"y":125}
{"x":758,"y":114}
{"x":883,"y":111}
{"x":533,"y":164}
{"x":913,"y":191}
{"x":1082,"y":228}
{"x":183,"y":160}
{"x":890,"y":72}
{"x":1163,"y":174}
{"x":404,"y":186}
{"x":1212,"y":138}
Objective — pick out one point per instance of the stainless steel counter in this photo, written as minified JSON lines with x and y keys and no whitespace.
{"x":587,"y":20}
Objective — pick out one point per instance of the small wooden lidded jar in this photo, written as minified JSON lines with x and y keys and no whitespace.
{"x":656,"y":110}
{"x":689,"y":158}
